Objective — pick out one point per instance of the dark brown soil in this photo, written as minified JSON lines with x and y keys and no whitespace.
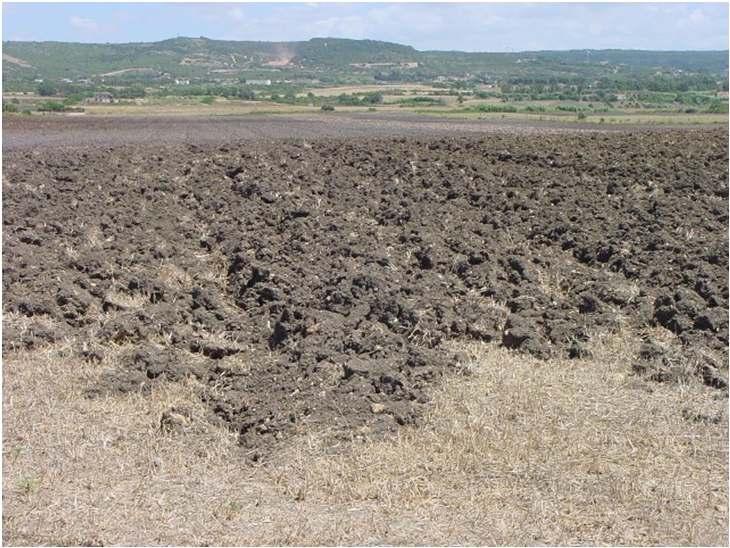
{"x":344,"y":265}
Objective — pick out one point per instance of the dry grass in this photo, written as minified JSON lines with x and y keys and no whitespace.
{"x":126,"y":301}
{"x":221,"y":107}
{"x":172,"y":275}
{"x":368,"y":88}
{"x":516,"y":452}
{"x":526,"y":452}
{"x":181,"y":106}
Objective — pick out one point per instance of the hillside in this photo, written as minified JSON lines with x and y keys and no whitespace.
{"x":190,"y":57}
{"x":332,"y":60}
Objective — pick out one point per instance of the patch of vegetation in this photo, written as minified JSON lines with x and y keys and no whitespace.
{"x":493,"y":108}
{"x":72,"y":100}
{"x":132,"y":92}
{"x":420,"y":101}
{"x":360,"y":99}
{"x":571,"y":108}
{"x":720,"y":107}
{"x":51,"y":106}
{"x":46,"y":89}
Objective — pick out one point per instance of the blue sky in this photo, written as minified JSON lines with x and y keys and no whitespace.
{"x":468,"y":27}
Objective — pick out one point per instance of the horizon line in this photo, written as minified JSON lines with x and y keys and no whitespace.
{"x":359,"y":40}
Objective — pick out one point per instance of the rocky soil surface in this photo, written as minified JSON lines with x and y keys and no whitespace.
{"x":315,"y":283}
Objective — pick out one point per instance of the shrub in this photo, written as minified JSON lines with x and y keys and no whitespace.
{"x":374,"y":98}
{"x":207,"y":100}
{"x":345,"y":99}
{"x":51,"y":106}
{"x":46,"y":89}
{"x":73,"y":99}
{"x":495,"y":108}
{"x":328,"y":108}
{"x":421,"y":101}
{"x":9,"y":107}
{"x":131,"y":92}
{"x":720,"y":107}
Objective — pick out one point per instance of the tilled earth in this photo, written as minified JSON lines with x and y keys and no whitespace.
{"x":67,"y":131}
{"x":315,"y":284}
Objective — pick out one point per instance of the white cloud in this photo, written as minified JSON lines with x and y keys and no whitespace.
{"x":84,"y":23}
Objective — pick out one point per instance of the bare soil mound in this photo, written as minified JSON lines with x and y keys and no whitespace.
{"x":335,"y":269}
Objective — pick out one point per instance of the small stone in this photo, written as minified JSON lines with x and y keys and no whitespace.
{"x":425,"y":261}
{"x":377,"y":408}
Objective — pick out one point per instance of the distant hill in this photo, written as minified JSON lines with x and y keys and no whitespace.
{"x":183,"y":57}
{"x":328,"y":60}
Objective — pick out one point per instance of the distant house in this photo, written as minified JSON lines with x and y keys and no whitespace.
{"x":259,"y":82}
{"x":103,"y":97}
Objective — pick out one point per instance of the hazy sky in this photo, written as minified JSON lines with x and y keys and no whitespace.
{"x":469,"y":27}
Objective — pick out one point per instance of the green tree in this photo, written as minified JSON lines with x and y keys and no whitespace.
{"x":46,"y":89}
{"x":246,"y":94}
{"x":374,"y":98}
